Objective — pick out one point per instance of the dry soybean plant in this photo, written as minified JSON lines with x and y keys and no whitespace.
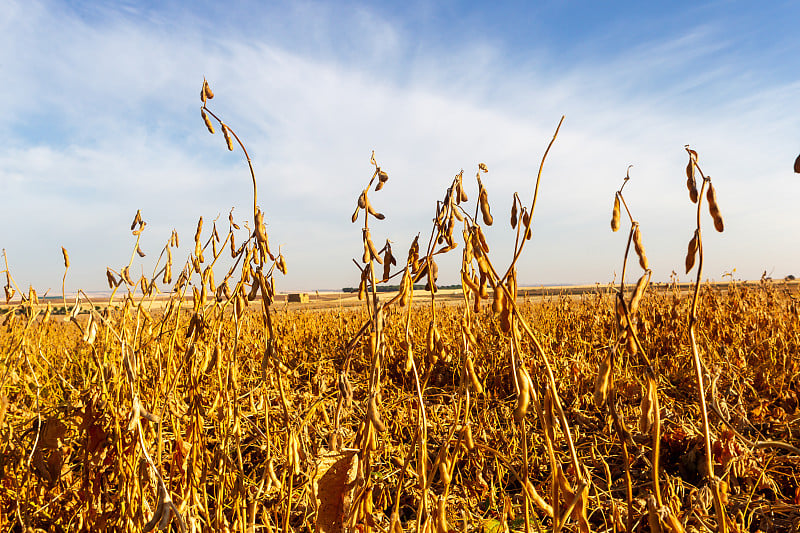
{"x":605,"y":392}
{"x":187,"y":405}
{"x":695,"y":253}
{"x":569,"y":498}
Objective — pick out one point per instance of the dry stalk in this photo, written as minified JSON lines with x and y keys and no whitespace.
{"x":691,"y":170}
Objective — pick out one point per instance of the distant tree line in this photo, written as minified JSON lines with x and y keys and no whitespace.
{"x":394,"y":288}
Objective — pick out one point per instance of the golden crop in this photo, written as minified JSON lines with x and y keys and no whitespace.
{"x":493,"y":411}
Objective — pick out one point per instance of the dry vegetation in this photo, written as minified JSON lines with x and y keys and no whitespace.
{"x":629,"y":409}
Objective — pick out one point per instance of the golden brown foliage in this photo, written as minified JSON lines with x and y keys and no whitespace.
{"x":217,"y":411}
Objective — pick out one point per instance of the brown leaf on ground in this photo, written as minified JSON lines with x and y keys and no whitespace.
{"x":333,"y":484}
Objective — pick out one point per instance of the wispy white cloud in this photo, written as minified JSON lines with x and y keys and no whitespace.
{"x":126,"y":135}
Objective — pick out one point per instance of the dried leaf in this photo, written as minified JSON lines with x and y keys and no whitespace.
{"x":333,"y":484}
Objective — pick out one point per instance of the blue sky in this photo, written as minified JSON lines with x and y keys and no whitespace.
{"x":101,"y":118}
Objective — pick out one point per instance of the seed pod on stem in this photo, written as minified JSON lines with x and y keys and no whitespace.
{"x":383,"y":177}
{"x":469,"y":281}
{"x":615,"y":214}
{"x":440,"y":518}
{"x":713,"y":208}
{"x":199,"y":230}
{"x":498,"y":303}
{"x":413,"y":254}
{"x":431,"y":339}
{"x":483,"y":198}
{"x":647,"y":406}
{"x":526,"y":222}
{"x":457,"y":213}
{"x":690,"y":179}
{"x":473,"y":376}
{"x":137,"y":219}
{"x":690,"y":184}
{"x":374,"y":416}
{"x":505,"y":319}
{"x":444,"y":469}
{"x":374,"y":213}
{"x":691,"y":252}
{"x":472,"y":340}
{"x":66,"y":257}
{"x":227,"y":136}
{"x":637,"y":243}
{"x":409,"y":362}
{"x":630,"y":341}
{"x":388,"y":260}
{"x":293,"y":454}
{"x":273,"y":478}
{"x":91,"y":330}
{"x":636,"y":297}
{"x":160,"y":512}
{"x":207,"y":94}
{"x":483,"y":292}
{"x":282,"y":264}
{"x":514,"y":214}
{"x":484,"y":246}
{"x":261,"y":234}
{"x":523,"y":395}
{"x":362,"y":289}
{"x":603,"y":382}
{"x":404,"y":288}
{"x":207,"y":121}
{"x":469,"y":441}
{"x":127,"y":277}
{"x":112,"y":282}
{"x":252,"y":295}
